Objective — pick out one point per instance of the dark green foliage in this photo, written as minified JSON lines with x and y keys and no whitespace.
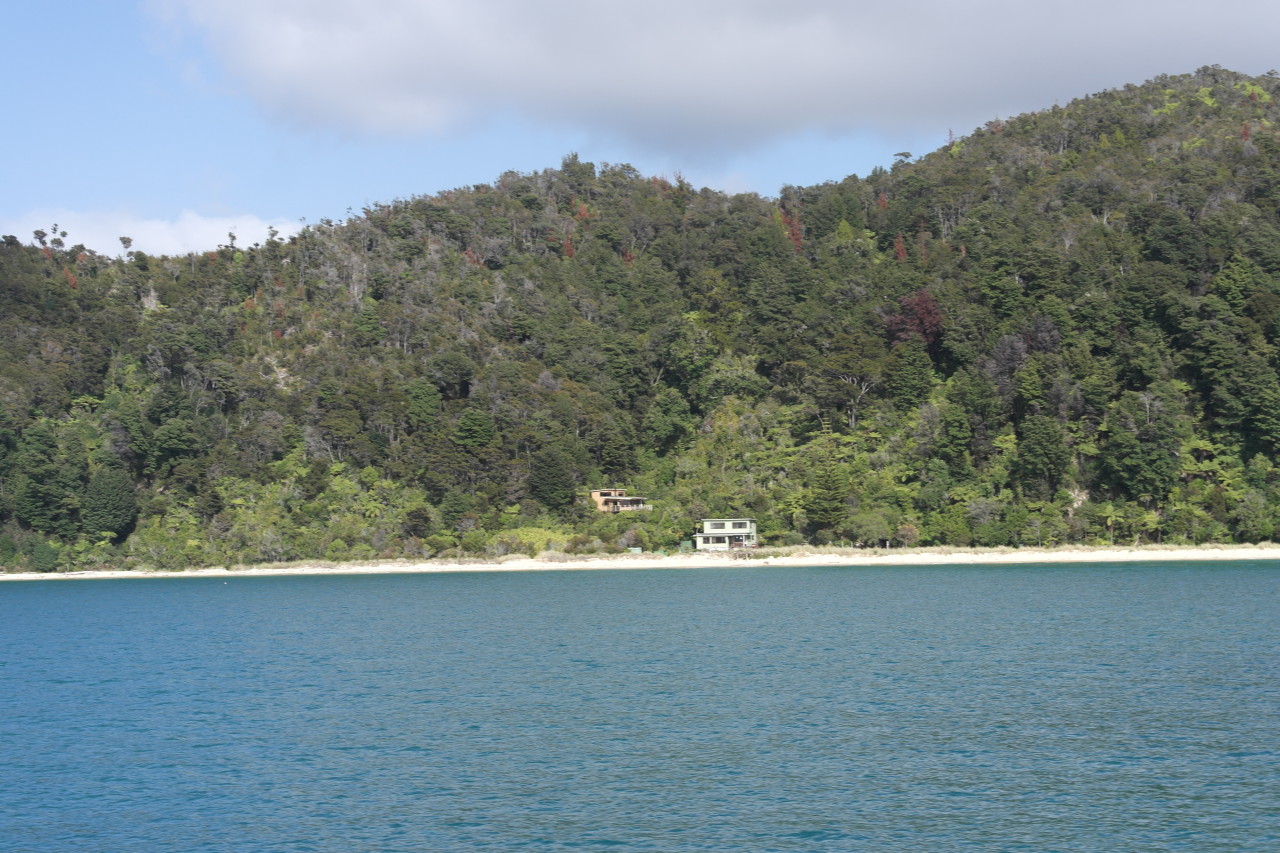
{"x":41,"y":506}
{"x":957,"y":434}
{"x":44,"y":557}
{"x":1063,"y":327}
{"x":668,"y":419}
{"x":46,"y":482}
{"x":910,"y":373}
{"x":474,"y":429}
{"x":424,"y":404}
{"x":1043,"y":456}
{"x":453,"y":372}
{"x":1140,"y":458}
{"x":616,"y":447}
{"x":825,"y":504}
{"x":551,"y":478}
{"x":419,"y":522}
{"x":452,"y":508}
{"x":171,"y":441}
{"x":368,"y":327}
{"x":109,"y":503}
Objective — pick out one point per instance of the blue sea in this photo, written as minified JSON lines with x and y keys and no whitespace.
{"x":945,"y":708}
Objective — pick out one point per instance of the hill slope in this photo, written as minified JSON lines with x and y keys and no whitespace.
{"x":1060,"y":328}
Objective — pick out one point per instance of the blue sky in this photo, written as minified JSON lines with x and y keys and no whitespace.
{"x":176,"y":121}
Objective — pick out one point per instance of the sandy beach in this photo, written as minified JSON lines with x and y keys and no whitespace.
{"x":852,"y":558}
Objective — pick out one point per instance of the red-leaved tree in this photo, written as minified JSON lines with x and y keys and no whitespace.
{"x":918,"y":317}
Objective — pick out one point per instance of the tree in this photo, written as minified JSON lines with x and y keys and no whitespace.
{"x":44,"y":557}
{"x":871,"y":527}
{"x":474,"y":429}
{"x":1140,"y":458}
{"x":45,"y":483}
{"x":368,"y":328}
{"x":910,"y":373}
{"x":172,"y":440}
{"x":668,"y":419}
{"x":453,"y":371}
{"x":424,"y":404}
{"x":953,"y":444}
{"x":850,"y":369}
{"x":551,"y":478}
{"x":920,"y":318}
{"x":110,"y":505}
{"x":824,"y":505}
{"x":1042,"y":457}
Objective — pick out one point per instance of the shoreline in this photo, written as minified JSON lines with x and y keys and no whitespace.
{"x":797,"y":557}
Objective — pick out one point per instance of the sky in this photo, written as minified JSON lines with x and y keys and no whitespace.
{"x":179,"y":122}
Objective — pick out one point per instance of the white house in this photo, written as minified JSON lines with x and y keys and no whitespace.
{"x":723,"y":534}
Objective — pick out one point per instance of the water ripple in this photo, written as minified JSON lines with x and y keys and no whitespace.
{"x":1076,"y":708}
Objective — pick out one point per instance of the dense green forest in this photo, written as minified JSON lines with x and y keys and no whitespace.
{"x":1061,"y":328}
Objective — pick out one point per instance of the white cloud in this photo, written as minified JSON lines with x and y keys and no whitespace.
{"x":684,"y":76}
{"x":101,"y":230}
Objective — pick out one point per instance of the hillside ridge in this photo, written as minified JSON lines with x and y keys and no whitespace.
{"x":1060,"y":328}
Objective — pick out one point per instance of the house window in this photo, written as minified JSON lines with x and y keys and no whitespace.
{"x":718,"y":540}
{"x":738,"y":524}
{"x":717,"y":525}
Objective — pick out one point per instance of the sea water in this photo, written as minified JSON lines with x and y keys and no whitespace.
{"x":1015,"y":708}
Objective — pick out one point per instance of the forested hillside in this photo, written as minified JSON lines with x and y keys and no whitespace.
{"x":1061,"y":328}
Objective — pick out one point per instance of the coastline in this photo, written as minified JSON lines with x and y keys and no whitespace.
{"x":798,"y":557}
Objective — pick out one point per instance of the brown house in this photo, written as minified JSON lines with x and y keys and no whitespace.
{"x":616,"y":500}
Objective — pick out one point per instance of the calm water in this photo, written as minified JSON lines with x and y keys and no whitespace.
{"x":1077,"y":708}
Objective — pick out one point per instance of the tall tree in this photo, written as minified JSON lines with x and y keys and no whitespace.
{"x":110,"y":505}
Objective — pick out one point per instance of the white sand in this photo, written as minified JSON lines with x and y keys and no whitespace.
{"x":831,"y":557}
